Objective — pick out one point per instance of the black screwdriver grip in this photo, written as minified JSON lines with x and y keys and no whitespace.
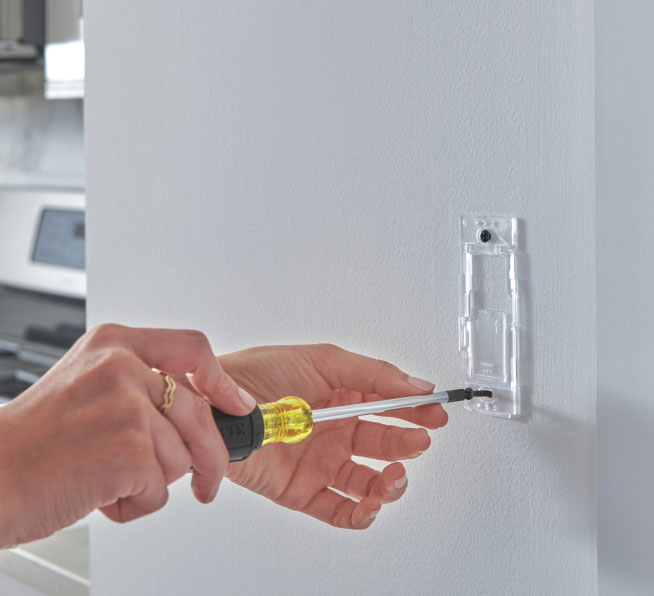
{"x":459,"y":394}
{"x":242,"y":434}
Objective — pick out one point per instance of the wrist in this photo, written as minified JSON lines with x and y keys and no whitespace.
{"x":9,"y":502}
{"x":7,"y":533}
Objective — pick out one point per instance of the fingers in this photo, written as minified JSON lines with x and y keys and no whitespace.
{"x":341,"y":512}
{"x":183,"y":352}
{"x":389,"y":443}
{"x":371,"y":487}
{"x":171,"y":452}
{"x":191,"y":417}
{"x":152,"y":497}
{"x":432,"y":416}
{"x":360,"y":481}
{"x":377,"y":378}
{"x":347,"y":370}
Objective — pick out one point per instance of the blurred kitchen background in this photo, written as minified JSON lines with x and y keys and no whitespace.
{"x":42,"y":244}
{"x":41,"y":94}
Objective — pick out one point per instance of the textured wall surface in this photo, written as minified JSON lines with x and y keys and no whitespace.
{"x":294,"y":172}
{"x":625,"y":211}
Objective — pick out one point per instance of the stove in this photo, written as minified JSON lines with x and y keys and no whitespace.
{"x":42,"y":283}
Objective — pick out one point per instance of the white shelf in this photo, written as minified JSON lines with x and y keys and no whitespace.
{"x":58,"y":565}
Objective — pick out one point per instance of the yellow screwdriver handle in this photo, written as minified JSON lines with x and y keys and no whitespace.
{"x":287,"y":420}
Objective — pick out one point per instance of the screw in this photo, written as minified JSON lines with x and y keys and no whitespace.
{"x":479,"y":393}
{"x":484,"y":236}
{"x":482,"y":393}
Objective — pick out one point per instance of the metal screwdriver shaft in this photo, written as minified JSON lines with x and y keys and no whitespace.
{"x":290,"y":419}
{"x":386,"y":405}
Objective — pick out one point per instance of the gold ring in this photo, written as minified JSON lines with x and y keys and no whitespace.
{"x":168,"y":394}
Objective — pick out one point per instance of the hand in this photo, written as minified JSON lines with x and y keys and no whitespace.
{"x":89,"y":434}
{"x":302,"y":476}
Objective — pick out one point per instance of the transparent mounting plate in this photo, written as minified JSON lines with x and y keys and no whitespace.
{"x":489,"y":300}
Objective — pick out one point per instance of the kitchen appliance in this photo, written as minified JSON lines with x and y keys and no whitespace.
{"x":48,"y":35}
{"x":22,"y":29}
{"x":42,"y":283}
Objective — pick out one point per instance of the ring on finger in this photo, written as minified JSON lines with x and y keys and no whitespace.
{"x":169,"y":393}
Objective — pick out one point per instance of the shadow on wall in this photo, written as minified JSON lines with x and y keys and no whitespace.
{"x":553,"y":433}
{"x":526,"y":341}
{"x":626,"y":524}
{"x":552,"y":430}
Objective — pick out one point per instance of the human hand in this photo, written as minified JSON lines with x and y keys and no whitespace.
{"x":302,"y":476}
{"x":89,"y":433}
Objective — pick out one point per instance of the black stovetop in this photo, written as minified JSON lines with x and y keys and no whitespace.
{"x":36,"y":329}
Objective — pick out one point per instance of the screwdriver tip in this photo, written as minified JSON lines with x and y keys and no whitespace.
{"x":482,"y":393}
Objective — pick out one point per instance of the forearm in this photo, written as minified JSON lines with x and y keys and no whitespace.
{"x":8,"y":486}
{"x":7,"y":538}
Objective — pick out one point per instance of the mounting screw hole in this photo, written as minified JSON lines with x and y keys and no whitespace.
{"x":484,"y":235}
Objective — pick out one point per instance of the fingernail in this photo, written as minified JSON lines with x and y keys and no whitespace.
{"x":247,"y":399}
{"x":421,"y":384}
{"x":418,"y":454}
{"x":400,"y":482}
{"x":373,"y":515}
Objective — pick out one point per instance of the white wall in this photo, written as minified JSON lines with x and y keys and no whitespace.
{"x":294,"y":172}
{"x":625,"y":211}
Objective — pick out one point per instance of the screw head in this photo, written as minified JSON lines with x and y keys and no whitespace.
{"x":484,"y":235}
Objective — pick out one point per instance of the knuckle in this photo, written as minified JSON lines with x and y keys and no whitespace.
{"x":342,"y":513}
{"x":197,"y":338}
{"x":202,"y":411}
{"x":328,"y":348}
{"x":104,"y":334}
{"x":183,"y":465}
{"x":135,"y":414}
{"x":387,"y":442}
{"x":162,"y":499}
{"x":116,"y":366}
{"x":134,"y":449}
{"x":327,"y":352}
{"x":347,"y":473}
{"x":386,"y":366}
{"x":126,"y":417}
{"x":121,"y":520}
{"x":126,"y":459}
{"x":120,"y":360}
{"x":323,"y":354}
{"x":371,"y":485}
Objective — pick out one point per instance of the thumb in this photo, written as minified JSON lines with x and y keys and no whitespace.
{"x":222,"y":391}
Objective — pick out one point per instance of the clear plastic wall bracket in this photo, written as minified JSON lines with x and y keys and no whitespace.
{"x":489,"y":300}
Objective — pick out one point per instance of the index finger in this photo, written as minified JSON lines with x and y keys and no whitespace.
{"x":431,"y":416}
{"x":178,"y":351}
{"x":346,"y":370}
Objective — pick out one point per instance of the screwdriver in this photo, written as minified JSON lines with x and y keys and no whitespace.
{"x":290,"y":419}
